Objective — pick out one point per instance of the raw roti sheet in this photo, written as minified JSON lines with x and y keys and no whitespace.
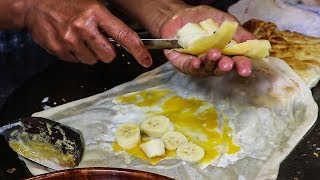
{"x":269,"y":113}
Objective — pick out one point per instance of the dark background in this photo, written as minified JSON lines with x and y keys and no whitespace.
{"x":29,"y":74}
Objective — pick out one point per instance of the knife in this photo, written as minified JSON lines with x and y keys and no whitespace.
{"x":154,"y":43}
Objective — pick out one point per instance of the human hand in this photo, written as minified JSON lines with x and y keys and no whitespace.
{"x":72,"y":30}
{"x":212,"y":62}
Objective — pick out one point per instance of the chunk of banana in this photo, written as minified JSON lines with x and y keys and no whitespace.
{"x":209,"y":25}
{"x":201,"y":43}
{"x":128,"y":135}
{"x":153,"y":148}
{"x":173,"y":139}
{"x":256,"y":49}
{"x":199,"y":38}
{"x":190,"y":152}
{"x":156,"y":126}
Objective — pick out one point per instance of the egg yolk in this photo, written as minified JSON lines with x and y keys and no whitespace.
{"x":195,"y":118}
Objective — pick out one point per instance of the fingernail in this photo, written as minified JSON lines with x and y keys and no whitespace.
{"x":147,"y":62}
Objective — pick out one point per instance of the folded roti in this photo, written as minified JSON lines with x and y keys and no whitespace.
{"x":269,"y":112}
{"x":287,"y":14}
{"x":301,"y":52}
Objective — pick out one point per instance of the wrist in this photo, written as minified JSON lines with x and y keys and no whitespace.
{"x":162,"y":14}
{"x":151,"y":14}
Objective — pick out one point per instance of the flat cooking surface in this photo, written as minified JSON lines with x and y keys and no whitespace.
{"x":62,"y":82}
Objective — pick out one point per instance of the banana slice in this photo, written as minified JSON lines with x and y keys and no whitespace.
{"x":190,"y":33}
{"x":200,"y":43}
{"x":190,"y":152}
{"x":156,"y":126}
{"x":209,"y":25}
{"x":173,"y":139}
{"x":256,"y":49}
{"x":128,"y":135}
{"x":153,"y":148}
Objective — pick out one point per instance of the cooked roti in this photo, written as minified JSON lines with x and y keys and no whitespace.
{"x":301,"y":52}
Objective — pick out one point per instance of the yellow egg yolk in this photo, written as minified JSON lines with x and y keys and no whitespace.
{"x":195,"y":118}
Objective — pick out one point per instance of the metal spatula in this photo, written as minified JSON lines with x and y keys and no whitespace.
{"x":45,"y":142}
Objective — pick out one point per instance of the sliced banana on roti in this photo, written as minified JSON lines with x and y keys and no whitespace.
{"x":153,"y":148}
{"x":173,"y":139}
{"x":156,"y":126}
{"x":196,"y":39}
{"x":190,"y":152}
{"x":128,"y":135}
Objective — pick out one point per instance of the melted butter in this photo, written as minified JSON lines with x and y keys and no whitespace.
{"x":144,"y":98}
{"x":195,"y":118}
{"x":38,"y":150}
{"x":137,"y":152}
{"x":232,"y":148}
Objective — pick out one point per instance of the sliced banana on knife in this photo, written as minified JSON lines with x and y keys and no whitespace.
{"x":199,"y":38}
{"x":173,"y":139}
{"x":153,"y":148}
{"x":156,"y":126}
{"x":128,"y":135}
{"x":190,"y":152}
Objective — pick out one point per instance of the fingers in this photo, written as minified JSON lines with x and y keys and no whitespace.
{"x":79,"y":49}
{"x":187,"y":64}
{"x":126,"y":37}
{"x":54,"y":44}
{"x":243,"y":65}
{"x":211,"y":63}
{"x":98,"y":44}
{"x":210,"y":59}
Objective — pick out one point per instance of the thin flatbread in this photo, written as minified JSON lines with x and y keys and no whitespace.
{"x":269,"y":112}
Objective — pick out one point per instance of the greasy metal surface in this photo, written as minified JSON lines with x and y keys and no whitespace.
{"x":70,"y":140}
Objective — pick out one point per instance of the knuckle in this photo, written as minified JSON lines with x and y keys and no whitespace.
{"x":80,"y":24}
{"x":124,"y":34}
{"x":69,"y":38}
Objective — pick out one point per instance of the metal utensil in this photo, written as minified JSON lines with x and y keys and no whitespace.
{"x":45,"y":142}
{"x":155,"y":43}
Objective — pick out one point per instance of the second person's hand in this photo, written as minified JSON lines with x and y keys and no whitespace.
{"x":72,"y":30}
{"x":212,"y":63}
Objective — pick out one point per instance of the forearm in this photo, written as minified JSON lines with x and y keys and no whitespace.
{"x":12,"y":13}
{"x":151,"y":14}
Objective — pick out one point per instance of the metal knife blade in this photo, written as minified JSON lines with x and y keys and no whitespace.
{"x":155,"y":43}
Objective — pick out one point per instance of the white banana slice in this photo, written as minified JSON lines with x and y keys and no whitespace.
{"x":153,"y":148}
{"x":256,"y":49}
{"x":191,"y":29}
{"x":128,"y":135}
{"x":209,"y":25}
{"x":190,"y":152}
{"x":173,"y":139}
{"x":156,"y":126}
{"x":201,"y":43}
